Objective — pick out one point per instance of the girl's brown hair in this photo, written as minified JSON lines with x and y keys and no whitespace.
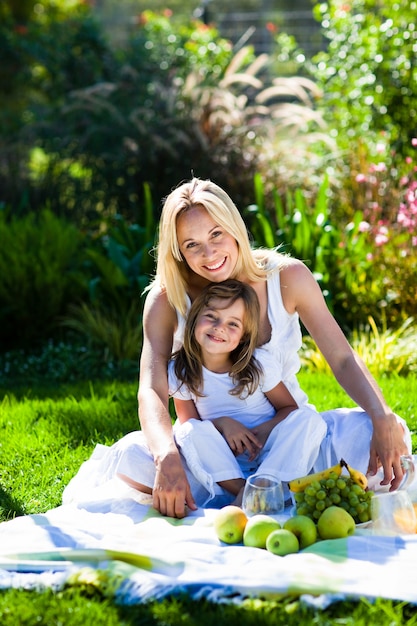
{"x":246,"y":370}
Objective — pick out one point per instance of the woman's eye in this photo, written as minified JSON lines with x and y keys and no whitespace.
{"x":217,"y":233}
{"x":190,"y":245}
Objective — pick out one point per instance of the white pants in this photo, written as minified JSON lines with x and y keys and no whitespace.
{"x":290,"y":450}
{"x":295,"y":447}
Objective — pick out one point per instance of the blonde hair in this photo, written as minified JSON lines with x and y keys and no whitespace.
{"x":171,"y":269}
{"x":245,"y":371}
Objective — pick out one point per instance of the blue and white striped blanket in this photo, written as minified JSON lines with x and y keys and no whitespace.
{"x":134,"y":554}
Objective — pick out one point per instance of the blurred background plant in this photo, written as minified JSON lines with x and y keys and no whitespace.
{"x":98,"y":124}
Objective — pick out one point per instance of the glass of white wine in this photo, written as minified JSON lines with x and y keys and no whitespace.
{"x":263,"y":494}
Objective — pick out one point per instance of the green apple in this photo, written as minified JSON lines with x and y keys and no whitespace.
{"x":303,"y":528}
{"x":229,"y":524}
{"x":282,"y":542}
{"x":335,"y":523}
{"x":257,"y":530}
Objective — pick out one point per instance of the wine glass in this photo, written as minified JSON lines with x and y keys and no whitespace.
{"x":393,"y":513}
{"x":263,"y":494}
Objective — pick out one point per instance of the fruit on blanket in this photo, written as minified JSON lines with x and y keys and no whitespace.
{"x":357,"y":477}
{"x":303,"y":528}
{"x":257,"y":530}
{"x":282,"y":542}
{"x":340,"y":491}
{"x":299,"y":484}
{"x":335,"y":523}
{"x":230,"y":523}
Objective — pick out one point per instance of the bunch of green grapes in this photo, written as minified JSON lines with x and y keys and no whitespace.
{"x":334,"y":491}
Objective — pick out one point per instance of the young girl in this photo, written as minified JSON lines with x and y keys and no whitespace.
{"x":235,"y":414}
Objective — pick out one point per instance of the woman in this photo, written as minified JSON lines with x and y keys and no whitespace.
{"x":203,"y":239}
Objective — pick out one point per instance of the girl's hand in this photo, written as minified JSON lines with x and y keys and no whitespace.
{"x":238,"y":437}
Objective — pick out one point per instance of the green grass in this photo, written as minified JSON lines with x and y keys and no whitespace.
{"x":47,"y":431}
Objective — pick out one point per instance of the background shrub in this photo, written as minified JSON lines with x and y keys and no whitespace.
{"x":41,"y":259}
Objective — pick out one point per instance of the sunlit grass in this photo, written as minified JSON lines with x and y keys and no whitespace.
{"x":49,"y":430}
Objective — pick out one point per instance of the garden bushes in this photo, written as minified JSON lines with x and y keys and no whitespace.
{"x":41,"y":272}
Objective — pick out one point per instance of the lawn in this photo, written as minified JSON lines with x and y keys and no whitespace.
{"x":49,"y":430}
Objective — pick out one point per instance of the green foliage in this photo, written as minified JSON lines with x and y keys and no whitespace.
{"x":95,"y":121}
{"x":300,"y":226}
{"x":129,"y":126}
{"x":61,"y":362}
{"x":385,"y":352}
{"x":40,"y":272}
{"x":367,"y":73}
{"x":55,"y":50}
{"x":369,"y":69}
{"x":120,"y":266}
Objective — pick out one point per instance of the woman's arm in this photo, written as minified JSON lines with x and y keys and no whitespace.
{"x":301,"y":293}
{"x":171,"y":490}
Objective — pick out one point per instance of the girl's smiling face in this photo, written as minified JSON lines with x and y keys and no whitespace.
{"x":208,"y":249}
{"x":220,"y":327}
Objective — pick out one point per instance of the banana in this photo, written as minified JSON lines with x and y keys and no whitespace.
{"x":299,"y":484}
{"x":356,"y":476}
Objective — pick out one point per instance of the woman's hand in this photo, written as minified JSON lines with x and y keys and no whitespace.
{"x":387,"y":446}
{"x":238,"y":437}
{"x":171,"y":492}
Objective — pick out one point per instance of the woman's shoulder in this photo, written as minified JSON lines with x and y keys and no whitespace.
{"x":157,"y":304}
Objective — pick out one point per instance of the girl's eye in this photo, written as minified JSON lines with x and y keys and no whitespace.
{"x":217,"y":233}
{"x":190,"y":245}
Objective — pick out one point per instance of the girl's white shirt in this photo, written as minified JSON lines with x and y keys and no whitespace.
{"x":218,"y":401}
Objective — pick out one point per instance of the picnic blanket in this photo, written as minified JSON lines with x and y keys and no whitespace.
{"x":119,"y":543}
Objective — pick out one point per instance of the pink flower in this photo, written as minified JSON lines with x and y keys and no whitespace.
{"x":381,"y":236}
{"x":360,"y":178}
{"x":380,"y":239}
{"x":364,"y":227}
{"x":414,"y":142}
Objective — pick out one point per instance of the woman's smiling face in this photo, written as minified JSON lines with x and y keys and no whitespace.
{"x":208,"y":249}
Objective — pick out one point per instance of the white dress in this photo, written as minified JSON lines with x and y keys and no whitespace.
{"x":348,"y":431}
